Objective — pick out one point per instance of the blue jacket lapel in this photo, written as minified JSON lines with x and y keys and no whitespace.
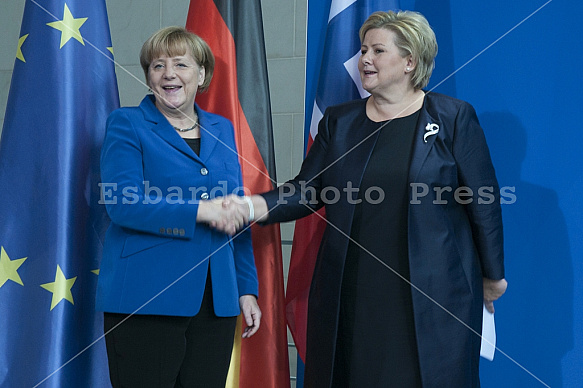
{"x":209,"y":131}
{"x":422,"y":144}
{"x":162,"y":127}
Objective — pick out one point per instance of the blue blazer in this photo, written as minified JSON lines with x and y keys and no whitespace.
{"x":453,"y":242}
{"x":156,"y":257}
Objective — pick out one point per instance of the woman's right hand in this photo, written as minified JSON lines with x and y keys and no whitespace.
{"x":242,"y":207}
{"x":228,"y":219}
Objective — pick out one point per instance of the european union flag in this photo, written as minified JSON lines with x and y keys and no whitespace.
{"x":51,"y":226}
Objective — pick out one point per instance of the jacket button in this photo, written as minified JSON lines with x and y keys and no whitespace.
{"x":168,"y":230}
{"x":162,"y":231}
{"x":204,"y":196}
{"x":204,"y":171}
{"x":175,"y":231}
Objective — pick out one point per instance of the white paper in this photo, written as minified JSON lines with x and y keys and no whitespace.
{"x":488,"y":335}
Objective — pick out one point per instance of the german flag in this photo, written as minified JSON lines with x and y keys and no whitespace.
{"x":240,"y":91}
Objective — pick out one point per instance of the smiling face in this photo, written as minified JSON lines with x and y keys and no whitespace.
{"x":175,"y":82}
{"x":382,"y":66}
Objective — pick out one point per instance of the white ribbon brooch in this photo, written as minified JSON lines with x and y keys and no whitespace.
{"x":431,"y":129}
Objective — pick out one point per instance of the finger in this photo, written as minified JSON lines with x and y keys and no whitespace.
{"x":238,"y":221}
{"x":248,"y":332}
{"x":257,"y":319}
{"x":489,"y":306}
{"x":256,"y":322}
{"x":247,"y":314}
{"x":251,"y":330}
{"x":232,"y":215}
{"x":222,"y":225}
{"x":491,"y":295}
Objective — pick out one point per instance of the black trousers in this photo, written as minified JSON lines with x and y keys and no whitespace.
{"x":154,"y":351}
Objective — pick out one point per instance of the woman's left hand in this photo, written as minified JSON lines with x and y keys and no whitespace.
{"x":493,"y":289}
{"x":251,"y":314}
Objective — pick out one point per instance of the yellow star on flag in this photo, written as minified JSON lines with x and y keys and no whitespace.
{"x":19,"y":54}
{"x":61,"y":288}
{"x":69,"y":27}
{"x":9,"y":268}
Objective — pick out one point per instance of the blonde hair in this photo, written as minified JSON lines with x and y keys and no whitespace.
{"x":174,"y":41}
{"x":413,"y":36}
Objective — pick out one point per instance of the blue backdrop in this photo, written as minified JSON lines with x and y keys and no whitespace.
{"x":514,"y":62}
{"x":520,"y":86}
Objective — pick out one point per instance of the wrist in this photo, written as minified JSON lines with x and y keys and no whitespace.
{"x":251,"y":208}
{"x":204,"y":213}
{"x":260,"y":208}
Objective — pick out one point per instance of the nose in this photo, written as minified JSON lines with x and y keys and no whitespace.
{"x":169,"y":72}
{"x":365,"y":58}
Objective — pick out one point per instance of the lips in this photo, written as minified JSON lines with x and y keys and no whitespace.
{"x":369,"y":72}
{"x":171,"y":88}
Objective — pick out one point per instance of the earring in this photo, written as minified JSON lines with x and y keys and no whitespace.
{"x":408,"y":69}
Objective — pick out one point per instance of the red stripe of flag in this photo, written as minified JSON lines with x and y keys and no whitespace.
{"x":308,"y":234}
{"x":264,"y":357}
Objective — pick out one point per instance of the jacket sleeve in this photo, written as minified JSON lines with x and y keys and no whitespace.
{"x":476,"y":172}
{"x":247,"y":281}
{"x":300,"y":196}
{"x":123,"y":190}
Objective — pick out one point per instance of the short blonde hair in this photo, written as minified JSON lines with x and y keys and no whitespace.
{"x":174,"y":41}
{"x":413,"y":36}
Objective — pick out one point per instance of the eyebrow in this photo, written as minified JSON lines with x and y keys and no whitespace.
{"x":174,"y":59}
{"x":373,"y":45}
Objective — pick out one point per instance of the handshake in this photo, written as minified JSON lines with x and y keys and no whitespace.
{"x":231,"y":213}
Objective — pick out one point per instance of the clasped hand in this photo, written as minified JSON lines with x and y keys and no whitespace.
{"x":228,"y":214}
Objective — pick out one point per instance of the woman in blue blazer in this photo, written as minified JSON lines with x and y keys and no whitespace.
{"x":413,"y":245}
{"x":171,"y":287}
